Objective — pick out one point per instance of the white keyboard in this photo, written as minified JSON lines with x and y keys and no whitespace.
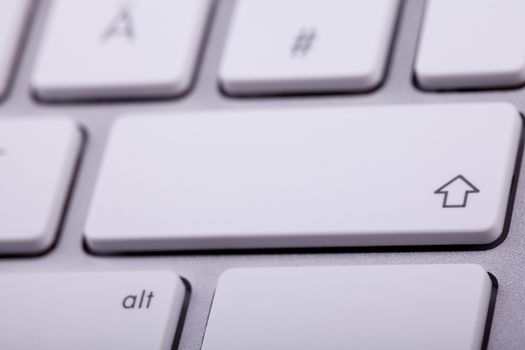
{"x":254,"y":175}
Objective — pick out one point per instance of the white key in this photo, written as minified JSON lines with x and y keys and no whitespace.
{"x":13,"y":14}
{"x":412,"y":307}
{"x":117,"y":49}
{"x":306,"y":178}
{"x":471,"y":44}
{"x":37,"y":161}
{"x":294,"y":46}
{"x":111,"y":310}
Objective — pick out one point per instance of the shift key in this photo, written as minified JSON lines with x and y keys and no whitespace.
{"x":317,"y":177}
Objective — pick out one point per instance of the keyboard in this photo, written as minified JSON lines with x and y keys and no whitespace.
{"x":245,"y":174}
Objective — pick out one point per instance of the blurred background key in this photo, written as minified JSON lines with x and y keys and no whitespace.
{"x":471,"y":44}
{"x":300,"y":46}
{"x":13,"y":14}
{"x":102,"y":49}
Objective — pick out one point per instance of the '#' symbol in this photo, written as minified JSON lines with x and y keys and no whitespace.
{"x":456,"y":192}
{"x":303,"y":42}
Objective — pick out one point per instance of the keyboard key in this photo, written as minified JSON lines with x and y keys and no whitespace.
{"x":412,"y":307}
{"x":296,"y":46}
{"x":110,"y":310}
{"x":37,"y":161}
{"x":471,"y":44}
{"x":391,"y":175}
{"x":13,"y":15}
{"x":101,"y":49}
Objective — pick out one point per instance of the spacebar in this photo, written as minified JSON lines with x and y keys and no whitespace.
{"x":398,"y":175}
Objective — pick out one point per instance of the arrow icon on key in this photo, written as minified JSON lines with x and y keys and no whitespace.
{"x":456,"y":192}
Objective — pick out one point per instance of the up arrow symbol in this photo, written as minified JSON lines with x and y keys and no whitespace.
{"x":456,"y":192}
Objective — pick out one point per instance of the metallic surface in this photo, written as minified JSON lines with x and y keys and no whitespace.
{"x":506,"y":261}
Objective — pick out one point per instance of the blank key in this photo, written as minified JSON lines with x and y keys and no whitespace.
{"x":294,"y":46}
{"x":37,"y":161}
{"x":430,"y":307}
{"x":118,"y":49}
{"x":471,"y":44}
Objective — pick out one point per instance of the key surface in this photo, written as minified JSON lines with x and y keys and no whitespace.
{"x":108,"y":310}
{"x":37,"y":162}
{"x":101,"y":49}
{"x":296,"y":46}
{"x":411,"y":307}
{"x":471,"y":44}
{"x":13,"y":14}
{"x":392,"y":175}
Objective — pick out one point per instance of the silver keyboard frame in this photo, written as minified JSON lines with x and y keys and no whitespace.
{"x":506,"y":261}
